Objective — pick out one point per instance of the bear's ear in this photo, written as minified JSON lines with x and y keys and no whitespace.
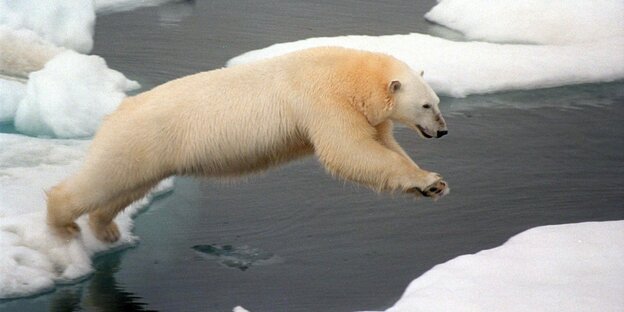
{"x":394,"y":86}
{"x":422,"y":73}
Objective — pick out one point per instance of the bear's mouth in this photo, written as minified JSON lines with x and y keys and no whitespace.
{"x":424,"y":132}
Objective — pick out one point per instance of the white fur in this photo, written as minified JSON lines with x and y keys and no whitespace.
{"x":336,"y":103}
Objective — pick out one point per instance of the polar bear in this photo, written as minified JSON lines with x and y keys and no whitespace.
{"x":339,"y":104}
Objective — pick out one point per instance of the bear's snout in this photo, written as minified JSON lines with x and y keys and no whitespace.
{"x":442,"y":133}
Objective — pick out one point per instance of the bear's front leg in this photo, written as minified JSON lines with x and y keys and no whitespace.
{"x":355,"y":154}
{"x":437,"y":188}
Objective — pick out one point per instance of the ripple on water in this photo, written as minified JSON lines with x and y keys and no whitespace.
{"x":236,"y":257}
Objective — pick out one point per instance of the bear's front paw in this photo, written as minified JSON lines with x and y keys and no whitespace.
{"x":434,"y":187}
{"x":436,"y":190}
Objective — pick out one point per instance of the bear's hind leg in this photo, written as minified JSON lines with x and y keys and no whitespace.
{"x":61,"y":219}
{"x":101,"y":218}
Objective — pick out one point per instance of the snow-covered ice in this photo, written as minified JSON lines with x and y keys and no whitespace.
{"x":67,"y":98}
{"x":23,"y":51}
{"x":33,"y":259}
{"x":70,"y":96}
{"x":28,"y":166}
{"x":568,"y":267}
{"x":66,"y":93}
{"x":11,"y":93}
{"x":571,"y":267}
{"x":532,"y":21}
{"x":110,"y":6}
{"x":461,"y":68}
{"x":66,"y":23}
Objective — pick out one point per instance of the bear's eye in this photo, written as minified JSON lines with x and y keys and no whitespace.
{"x":426,"y":106}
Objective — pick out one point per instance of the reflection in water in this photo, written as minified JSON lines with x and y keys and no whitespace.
{"x":66,"y":300}
{"x":103,"y":292}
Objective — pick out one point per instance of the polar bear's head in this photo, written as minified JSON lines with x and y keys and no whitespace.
{"x":415,"y":105}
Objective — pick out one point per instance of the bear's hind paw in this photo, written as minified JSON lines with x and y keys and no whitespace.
{"x":108,"y":233}
{"x":67,"y":231}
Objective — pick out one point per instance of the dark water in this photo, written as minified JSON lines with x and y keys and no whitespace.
{"x":514,"y":160}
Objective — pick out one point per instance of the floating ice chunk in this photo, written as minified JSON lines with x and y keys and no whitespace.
{"x":461,"y":68}
{"x":110,"y":6}
{"x":33,"y":259}
{"x":67,"y":23}
{"x":535,"y":21}
{"x":23,"y":51}
{"x":572,"y":267}
{"x":70,"y":96}
{"x":67,"y":98}
{"x":11,"y":93}
{"x":593,"y":31}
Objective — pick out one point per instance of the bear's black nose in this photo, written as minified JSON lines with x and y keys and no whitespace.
{"x":442,"y":133}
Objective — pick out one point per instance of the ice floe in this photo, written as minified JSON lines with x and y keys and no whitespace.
{"x":23,"y":51}
{"x":461,"y":68}
{"x":70,"y":96}
{"x":48,"y":89}
{"x":67,"y":98}
{"x":66,"y":23}
{"x":111,"y":6}
{"x":532,"y":21}
{"x":571,"y":267}
{"x":11,"y":93}
{"x":67,"y":93}
{"x":33,"y":260}
{"x":594,"y":53}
